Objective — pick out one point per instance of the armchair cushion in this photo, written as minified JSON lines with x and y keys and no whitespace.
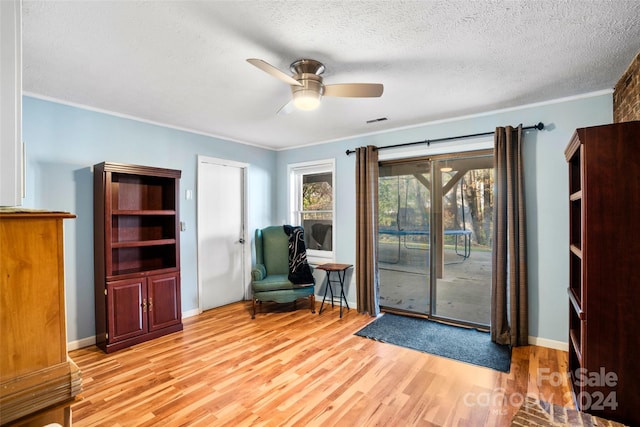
{"x":276,"y":282}
{"x":274,"y":250}
{"x":273,"y":282}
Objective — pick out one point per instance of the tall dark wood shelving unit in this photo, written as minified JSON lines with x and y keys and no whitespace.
{"x":604,"y":270}
{"x":137,"y":254}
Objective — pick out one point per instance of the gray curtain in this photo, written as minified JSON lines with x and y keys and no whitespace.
{"x":367,"y":285}
{"x":509,"y":299}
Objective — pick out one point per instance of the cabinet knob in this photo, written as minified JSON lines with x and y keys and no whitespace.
{"x":144,"y":305}
{"x":150,"y":304}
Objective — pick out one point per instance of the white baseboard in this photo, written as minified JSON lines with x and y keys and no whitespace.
{"x":81,"y":343}
{"x":191,"y":313}
{"x":544,"y":342}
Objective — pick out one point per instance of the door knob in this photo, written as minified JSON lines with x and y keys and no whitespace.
{"x":241,"y":241}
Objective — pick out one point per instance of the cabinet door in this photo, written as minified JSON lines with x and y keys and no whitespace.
{"x":126,"y":309}
{"x":164,"y":300}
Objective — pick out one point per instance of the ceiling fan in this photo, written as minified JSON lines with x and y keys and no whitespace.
{"x":307,"y":87}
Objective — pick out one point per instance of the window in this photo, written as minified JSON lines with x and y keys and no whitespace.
{"x":311,"y":205}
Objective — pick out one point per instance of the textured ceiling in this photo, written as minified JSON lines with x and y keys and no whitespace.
{"x":183,"y":63}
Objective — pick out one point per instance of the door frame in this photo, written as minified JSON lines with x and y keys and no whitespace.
{"x":246,"y":247}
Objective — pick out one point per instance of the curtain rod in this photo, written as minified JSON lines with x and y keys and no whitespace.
{"x":539,"y":126}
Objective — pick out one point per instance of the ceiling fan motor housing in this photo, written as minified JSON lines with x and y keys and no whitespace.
{"x":310,"y":66}
{"x":310,"y":83}
{"x":307,"y":72}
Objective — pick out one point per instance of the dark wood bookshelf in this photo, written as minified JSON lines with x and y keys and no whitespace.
{"x":137,"y":254}
{"x":604,"y":278}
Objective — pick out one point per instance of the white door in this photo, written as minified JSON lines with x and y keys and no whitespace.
{"x":221,"y":232}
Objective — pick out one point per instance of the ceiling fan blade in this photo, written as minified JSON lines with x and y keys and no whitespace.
{"x":354,"y":90}
{"x":286,"y":109}
{"x":268,"y":68}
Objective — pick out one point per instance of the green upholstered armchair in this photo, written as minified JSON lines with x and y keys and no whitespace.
{"x":269,"y":278}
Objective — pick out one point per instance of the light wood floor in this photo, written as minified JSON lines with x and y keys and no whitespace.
{"x":289,"y":368}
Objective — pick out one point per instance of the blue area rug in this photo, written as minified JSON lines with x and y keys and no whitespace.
{"x":466,"y":345}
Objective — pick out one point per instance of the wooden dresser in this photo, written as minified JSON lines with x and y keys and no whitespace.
{"x":38,"y":381}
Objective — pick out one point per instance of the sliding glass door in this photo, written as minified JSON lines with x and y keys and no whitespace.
{"x":404,"y":212}
{"x":435,"y":228}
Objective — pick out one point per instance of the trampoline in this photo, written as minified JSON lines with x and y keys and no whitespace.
{"x":463,"y":252}
{"x":406,"y":226}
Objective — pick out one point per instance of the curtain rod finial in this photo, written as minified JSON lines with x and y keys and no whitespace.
{"x":540,"y":126}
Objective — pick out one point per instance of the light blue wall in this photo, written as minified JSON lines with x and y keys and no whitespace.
{"x":62,"y":145}
{"x":546,"y":186}
{"x":63,"y":142}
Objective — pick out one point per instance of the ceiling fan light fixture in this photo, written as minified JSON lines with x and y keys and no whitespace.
{"x":306,"y":99}
{"x":307,"y":96}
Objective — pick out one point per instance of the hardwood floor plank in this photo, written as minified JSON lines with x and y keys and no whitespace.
{"x":292,"y":368}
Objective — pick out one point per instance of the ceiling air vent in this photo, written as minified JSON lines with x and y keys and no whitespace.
{"x":381,"y":119}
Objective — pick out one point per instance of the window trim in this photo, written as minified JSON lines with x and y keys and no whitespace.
{"x":295,"y":171}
